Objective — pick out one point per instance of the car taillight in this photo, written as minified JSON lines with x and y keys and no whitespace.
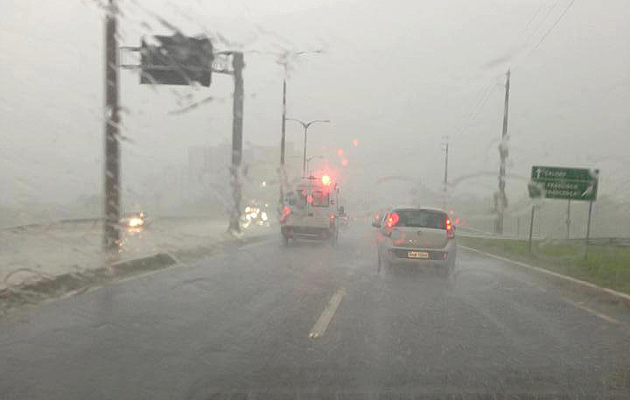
{"x":391,"y":222}
{"x":286,"y":211}
{"x":450,"y":234}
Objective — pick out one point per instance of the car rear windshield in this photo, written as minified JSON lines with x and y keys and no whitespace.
{"x":414,"y":218}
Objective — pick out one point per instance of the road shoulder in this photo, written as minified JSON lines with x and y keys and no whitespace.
{"x":601,"y":293}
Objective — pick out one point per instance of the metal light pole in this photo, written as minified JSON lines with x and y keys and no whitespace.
{"x":284,"y":61}
{"x":306,"y":125}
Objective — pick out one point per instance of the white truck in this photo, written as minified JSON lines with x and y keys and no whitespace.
{"x":310,"y":210}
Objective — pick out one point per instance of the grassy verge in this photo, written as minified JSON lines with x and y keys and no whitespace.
{"x":607,"y":266}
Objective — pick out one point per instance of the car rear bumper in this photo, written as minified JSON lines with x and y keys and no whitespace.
{"x":307,"y":232}
{"x":435,"y":257}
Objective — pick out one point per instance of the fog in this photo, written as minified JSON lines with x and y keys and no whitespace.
{"x":398,"y":76}
{"x":451,"y":216}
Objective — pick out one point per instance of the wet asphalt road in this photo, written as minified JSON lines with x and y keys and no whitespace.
{"x":315,"y":321}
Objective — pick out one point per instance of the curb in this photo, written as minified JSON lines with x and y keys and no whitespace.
{"x":609,"y":295}
{"x":59,"y":285}
{"x":51,"y":287}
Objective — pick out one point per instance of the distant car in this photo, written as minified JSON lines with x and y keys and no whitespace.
{"x":255,"y":214}
{"x":134,"y":220}
{"x":420,"y":237}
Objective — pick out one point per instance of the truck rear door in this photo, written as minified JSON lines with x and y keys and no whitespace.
{"x":318,"y":206}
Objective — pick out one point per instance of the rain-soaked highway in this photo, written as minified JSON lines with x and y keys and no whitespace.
{"x":316,"y":321}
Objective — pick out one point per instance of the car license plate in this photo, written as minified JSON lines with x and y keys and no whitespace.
{"x":417,"y":254}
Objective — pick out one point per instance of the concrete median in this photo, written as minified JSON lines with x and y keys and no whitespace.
{"x":38,"y":262}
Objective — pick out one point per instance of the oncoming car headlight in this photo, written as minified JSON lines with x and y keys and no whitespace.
{"x":135,"y":222}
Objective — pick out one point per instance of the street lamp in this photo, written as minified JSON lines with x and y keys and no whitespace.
{"x":308,"y":160}
{"x":283,"y":60}
{"x":306,"y":125}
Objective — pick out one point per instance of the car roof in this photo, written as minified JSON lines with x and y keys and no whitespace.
{"x":418,"y":208}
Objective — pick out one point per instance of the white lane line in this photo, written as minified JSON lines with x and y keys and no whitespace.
{"x":324,"y":319}
{"x":592,"y":312}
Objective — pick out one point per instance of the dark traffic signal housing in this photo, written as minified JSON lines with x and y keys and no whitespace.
{"x":176,"y":60}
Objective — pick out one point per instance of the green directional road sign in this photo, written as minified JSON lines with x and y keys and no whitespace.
{"x":564,"y":183}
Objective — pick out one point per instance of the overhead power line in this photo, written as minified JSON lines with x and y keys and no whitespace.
{"x":542,"y":22}
{"x":554,"y":24}
{"x":540,"y":6}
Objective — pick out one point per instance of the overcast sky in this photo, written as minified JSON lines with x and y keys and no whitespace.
{"x":399,"y":75}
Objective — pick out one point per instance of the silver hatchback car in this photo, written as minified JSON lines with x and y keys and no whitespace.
{"x":417,"y":236}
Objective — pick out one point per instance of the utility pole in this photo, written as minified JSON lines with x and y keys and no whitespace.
{"x":283,"y":136}
{"x":284,"y":115}
{"x":111,"y":233}
{"x":503,"y":151}
{"x":531,"y":229}
{"x":445,"y":148}
{"x":237,"y":141}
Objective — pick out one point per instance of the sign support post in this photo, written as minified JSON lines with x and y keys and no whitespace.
{"x":588,"y":230}
{"x":569,"y":220}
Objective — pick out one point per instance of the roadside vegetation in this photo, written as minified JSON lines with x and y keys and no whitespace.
{"x":607,"y":265}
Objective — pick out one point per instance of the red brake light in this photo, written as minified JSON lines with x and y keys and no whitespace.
{"x":392,"y":220}
{"x":326,"y":180}
{"x":449,"y":229}
{"x":286,"y":211}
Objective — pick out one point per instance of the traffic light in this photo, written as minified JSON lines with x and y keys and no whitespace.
{"x":177,"y":60}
